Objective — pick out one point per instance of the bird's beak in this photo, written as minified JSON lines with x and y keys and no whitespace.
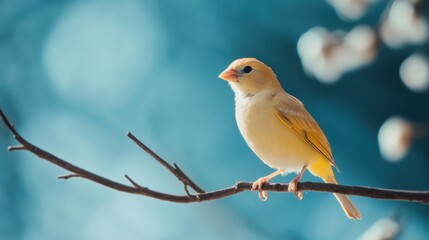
{"x":229,"y":75}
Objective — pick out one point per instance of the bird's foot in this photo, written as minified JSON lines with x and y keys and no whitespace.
{"x":293,"y":187}
{"x":263,"y":195}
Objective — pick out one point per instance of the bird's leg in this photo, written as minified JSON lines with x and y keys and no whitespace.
{"x":294,"y":184}
{"x":263,"y":195}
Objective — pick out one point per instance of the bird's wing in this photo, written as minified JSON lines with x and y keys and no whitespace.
{"x":294,"y":115}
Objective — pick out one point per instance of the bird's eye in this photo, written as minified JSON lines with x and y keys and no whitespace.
{"x":247,"y":69}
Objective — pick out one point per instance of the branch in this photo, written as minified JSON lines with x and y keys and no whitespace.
{"x":175,"y":170}
{"x":201,"y":195}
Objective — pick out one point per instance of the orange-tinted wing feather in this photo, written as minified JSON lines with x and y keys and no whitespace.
{"x":294,"y":115}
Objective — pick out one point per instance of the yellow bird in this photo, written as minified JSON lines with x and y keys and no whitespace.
{"x":279,"y":129}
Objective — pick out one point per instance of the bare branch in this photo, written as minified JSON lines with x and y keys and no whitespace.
{"x":136,"y":185}
{"x":15,"y":148}
{"x":200,"y":196}
{"x":71,"y":175}
{"x":175,"y":170}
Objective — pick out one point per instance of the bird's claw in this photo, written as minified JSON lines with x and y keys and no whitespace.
{"x":293,"y":187}
{"x":263,"y":195}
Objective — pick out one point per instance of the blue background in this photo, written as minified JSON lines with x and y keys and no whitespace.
{"x":75,"y":76}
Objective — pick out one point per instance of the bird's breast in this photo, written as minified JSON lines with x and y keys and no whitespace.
{"x":270,"y":139}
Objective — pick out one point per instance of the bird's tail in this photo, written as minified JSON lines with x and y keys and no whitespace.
{"x":347,"y":205}
{"x":322,"y":168}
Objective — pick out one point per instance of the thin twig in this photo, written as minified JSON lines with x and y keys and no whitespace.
{"x":135,"y":188}
{"x":71,"y":175}
{"x":15,"y":148}
{"x":175,"y":170}
{"x":136,"y":185}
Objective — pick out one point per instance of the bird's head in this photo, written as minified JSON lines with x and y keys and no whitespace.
{"x":249,"y":76}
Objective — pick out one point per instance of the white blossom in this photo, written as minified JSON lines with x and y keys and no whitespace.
{"x":414,"y":72}
{"x":350,"y":9}
{"x":383,"y":229}
{"x":403,"y":25}
{"x":328,"y":55}
{"x":394,"y":138}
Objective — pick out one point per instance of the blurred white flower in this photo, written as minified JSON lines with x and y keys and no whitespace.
{"x":394,"y":138}
{"x":383,"y":229}
{"x":316,"y":49}
{"x":404,"y":25}
{"x":414,"y":72}
{"x":360,"y":44}
{"x":350,"y":9}
{"x":328,"y":55}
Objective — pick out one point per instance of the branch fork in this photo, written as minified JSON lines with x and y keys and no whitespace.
{"x":200,"y":195}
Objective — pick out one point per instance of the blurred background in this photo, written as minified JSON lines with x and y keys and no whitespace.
{"x":75,"y":76}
